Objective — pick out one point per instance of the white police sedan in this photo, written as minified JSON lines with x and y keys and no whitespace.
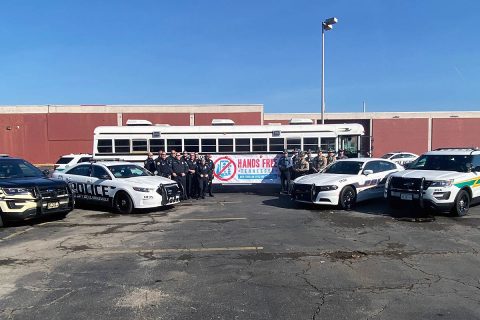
{"x":121,"y":185}
{"x":345,"y":182}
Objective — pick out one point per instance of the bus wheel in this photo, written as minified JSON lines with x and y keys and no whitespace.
{"x":123,"y":203}
{"x":348,"y":198}
{"x":462,"y":204}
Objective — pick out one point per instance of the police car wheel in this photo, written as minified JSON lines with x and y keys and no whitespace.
{"x":462,"y":204}
{"x":348,"y":198}
{"x":123,"y":203}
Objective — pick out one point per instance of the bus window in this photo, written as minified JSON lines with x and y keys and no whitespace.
{"x":122,"y":146}
{"x":310,"y":144}
{"x":277,"y":144}
{"x":242,"y":145}
{"x":139,"y":145}
{"x":259,"y":144}
{"x":104,"y":146}
{"x":209,"y":145}
{"x":191,"y":145}
{"x":294,"y":143}
{"x":350,"y":145}
{"x":157,"y":145}
{"x":225,"y":145}
{"x":327,"y":144}
{"x":174,"y":144}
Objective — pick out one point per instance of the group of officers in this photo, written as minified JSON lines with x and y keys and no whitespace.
{"x":301,"y":163}
{"x":192,"y":172}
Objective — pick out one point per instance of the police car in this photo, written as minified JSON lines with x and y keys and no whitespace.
{"x":69,"y":160}
{"x":400,"y":157}
{"x":446,"y":179}
{"x":345,"y":182}
{"x":26,"y":192}
{"x":121,"y":185}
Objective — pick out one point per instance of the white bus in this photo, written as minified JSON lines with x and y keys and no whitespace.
{"x":242,"y":154}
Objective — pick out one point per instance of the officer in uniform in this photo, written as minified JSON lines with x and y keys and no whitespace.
{"x":149,"y":164}
{"x":285,"y":165}
{"x":179,"y":174}
{"x":309,"y":159}
{"x":341,"y":155}
{"x":202,"y":172}
{"x":163,"y":168}
{"x":192,"y":184}
{"x":172,"y":157}
{"x":211,"y":166}
{"x":301,"y":167}
{"x":319,"y":162}
{"x":330,"y":157}
{"x":294,"y":161}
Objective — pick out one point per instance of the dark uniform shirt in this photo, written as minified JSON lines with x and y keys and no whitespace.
{"x":149,"y":164}
{"x":202,"y":170}
{"x":163,"y":168}
{"x":179,"y":166}
{"x":211,"y":165}
{"x":192,"y":164}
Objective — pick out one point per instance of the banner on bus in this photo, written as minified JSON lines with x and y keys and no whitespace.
{"x":251,"y":168}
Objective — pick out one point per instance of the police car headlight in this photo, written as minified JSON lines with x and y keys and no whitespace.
{"x":441,"y":183}
{"x":327,"y":188}
{"x":141,"y":189}
{"x":17,"y":191}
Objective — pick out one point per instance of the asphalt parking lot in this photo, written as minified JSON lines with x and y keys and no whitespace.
{"x":243,"y":255}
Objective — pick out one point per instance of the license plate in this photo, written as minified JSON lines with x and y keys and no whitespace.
{"x":406,"y":196}
{"x":53,"y":205}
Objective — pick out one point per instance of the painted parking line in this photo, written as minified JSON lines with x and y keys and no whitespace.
{"x":211,"y":219}
{"x":170,"y":250}
{"x":17,"y":233}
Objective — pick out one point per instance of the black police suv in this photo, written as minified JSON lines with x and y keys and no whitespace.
{"x":26,"y":192}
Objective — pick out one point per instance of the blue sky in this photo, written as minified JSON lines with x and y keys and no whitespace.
{"x":400,"y":55}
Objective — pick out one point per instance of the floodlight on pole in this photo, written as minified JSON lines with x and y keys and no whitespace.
{"x":326,"y":25}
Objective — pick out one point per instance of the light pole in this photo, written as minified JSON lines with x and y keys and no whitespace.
{"x":326,"y":25}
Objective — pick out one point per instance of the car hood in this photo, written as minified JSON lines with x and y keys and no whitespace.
{"x":31,"y":182}
{"x":147,"y":181}
{"x":323,"y":179}
{"x":429,"y":174}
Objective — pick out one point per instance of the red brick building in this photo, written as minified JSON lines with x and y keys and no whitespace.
{"x":42,"y":133}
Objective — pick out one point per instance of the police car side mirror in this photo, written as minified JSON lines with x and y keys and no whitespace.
{"x":105,"y":177}
{"x":367,"y":172}
{"x":46,"y":172}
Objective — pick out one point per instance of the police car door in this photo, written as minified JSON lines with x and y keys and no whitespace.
{"x":77,"y":177}
{"x":375,"y":182}
{"x":476,"y":172}
{"x":99,"y":185}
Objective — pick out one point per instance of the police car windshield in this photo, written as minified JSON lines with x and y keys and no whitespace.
{"x":64,"y":160}
{"x":128,"y":171}
{"x":442,"y":162}
{"x":15,"y":168}
{"x":345,"y":167}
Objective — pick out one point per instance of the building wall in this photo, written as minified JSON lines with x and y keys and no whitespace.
{"x":244,"y":118}
{"x":455,"y":132}
{"x":399,"y":135}
{"x":41,"y":134}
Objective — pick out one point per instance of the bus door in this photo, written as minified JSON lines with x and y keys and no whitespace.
{"x":350,"y":144}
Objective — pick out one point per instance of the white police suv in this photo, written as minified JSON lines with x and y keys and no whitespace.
{"x":446,"y":179}
{"x":345,"y":182}
{"x":121,"y":185}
